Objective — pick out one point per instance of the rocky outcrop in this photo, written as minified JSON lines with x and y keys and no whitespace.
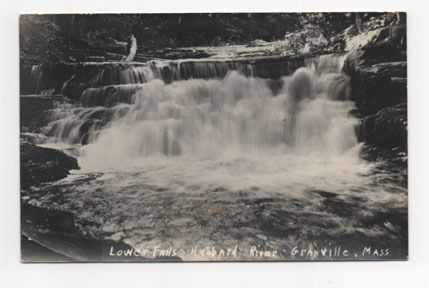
{"x":45,"y":77}
{"x":377,"y":77}
{"x":34,"y":110}
{"x":387,"y":128}
{"x":39,"y":165}
{"x":378,"y":80}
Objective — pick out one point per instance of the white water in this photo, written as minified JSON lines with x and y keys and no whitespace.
{"x":186,"y":162}
{"x":224,"y":127}
{"x":232,"y":133}
{"x":235,"y":116}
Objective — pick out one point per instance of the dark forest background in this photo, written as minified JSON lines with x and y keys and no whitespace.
{"x":66,"y":37}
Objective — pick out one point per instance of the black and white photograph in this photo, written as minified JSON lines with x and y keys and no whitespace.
{"x":213,"y":137}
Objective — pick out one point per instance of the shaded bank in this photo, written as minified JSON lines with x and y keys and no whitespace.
{"x":40,"y":165}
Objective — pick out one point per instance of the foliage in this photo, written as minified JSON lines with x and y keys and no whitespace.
{"x":72,"y":37}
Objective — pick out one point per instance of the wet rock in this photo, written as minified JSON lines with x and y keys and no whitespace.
{"x":373,"y":91}
{"x":39,"y":165}
{"x":390,"y":69}
{"x":31,"y":251}
{"x":387,"y":128}
{"x":378,"y":80}
{"x":32,"y":112}
{"x":50,"y":234}
{"x":41,"y":218}
{"x":48,"y":76}
{"x":377,"y":77}
{"x":372,"y":54}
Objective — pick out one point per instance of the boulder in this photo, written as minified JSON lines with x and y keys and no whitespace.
{"x":39,"y":165}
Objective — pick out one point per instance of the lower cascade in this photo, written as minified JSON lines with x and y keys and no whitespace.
{"x":233,"y":116}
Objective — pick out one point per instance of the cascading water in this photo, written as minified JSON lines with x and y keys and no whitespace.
{"x":211,"y":118}
{"x":193,"y":160}
{"x":71,"y":79}
{"x":235,"y":120}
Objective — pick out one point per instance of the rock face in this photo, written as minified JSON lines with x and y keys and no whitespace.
{"x":35,"y":110}
{"x":378,"y":80}
{"x":387,"y":128}
{"x":39,"y":165}
{"x":377,"y":76}
{"x":45,"y":77}
{"x":32,"y":111}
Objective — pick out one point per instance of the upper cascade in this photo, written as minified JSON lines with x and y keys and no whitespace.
{"x":71,"y":79}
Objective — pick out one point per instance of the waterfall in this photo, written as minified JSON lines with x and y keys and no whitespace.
{"x":222,"y":139}
{"x":72,"y":79}
{"x":234,"y":116}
